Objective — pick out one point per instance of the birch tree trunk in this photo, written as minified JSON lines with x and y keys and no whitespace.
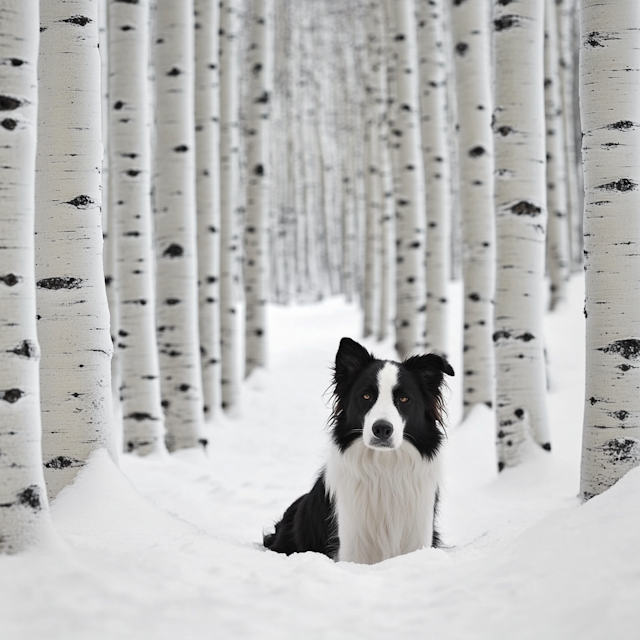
{"x":520,"y":201}
{"x":130,"y":172}
{"x":410,"y":196}
{"x":229,"y":185}
{"x":435,"y":147}
{"x":175,"y":215}
{"x":609,"y":82}
{"x":260,"y":178}
{"x":558,"y":250}
{"x":24,"y":513}
{"x":73,"y":317}
{"x":472,"y":54}
{"x":207,"y":121}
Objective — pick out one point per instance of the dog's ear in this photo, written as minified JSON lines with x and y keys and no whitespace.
{"x":350,"y":360}
{"x":430,"y":368}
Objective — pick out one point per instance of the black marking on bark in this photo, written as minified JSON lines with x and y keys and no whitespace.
{"x":501,"y":466}
{"x":519,"y":413}
{"x":55,"y":284}
{"x":81,"y":21}
{"x":624,"y":184}
{"x":63,"y":462}
{"x":7,"y":103}
{"x":406,"y":107}
{"x":477,"y":152}
{"x":629,"y":349}
{"x":506,"y":22}
{"x":30,"y":497}
{"x":461,"y":48}
{"x":26,"y":349}
{"x":127,"y":27}
{"x":11,"y":279}
{"x":173,"y":251}
{"x":504,"y":130}
{"x":621,"y":125}
{"x":12,"y":395}
{"x":9,"y":124}
{"x":181,"y":148}
{"x":259,"y":170}
{"x":204,"y":442}
{"x":399,"y":37}
{"x":81,"y":202}
{"x":127,"y":1}
{"x":546,"y":446}
{"x":525,"y":208}
{"x":501,"y":335}
{"x":133,"y":172}
{"x":16,"y":62}
{"x":174,"y":72}
{"x":622,"y":450}
{"x":118,"y":105}
{"x":593,"y":41}
{"x":122,"y":333}
{"x":184,"y":387}
{"x":263,"y":99}
{"x":620,"y":415}
{"x":504,"y":3}
{"x":139,"y":416}
{"x":526,"y":337}
{"x":457,"y":3}
{"x":474,"y":296}
{"x":172,"y":301}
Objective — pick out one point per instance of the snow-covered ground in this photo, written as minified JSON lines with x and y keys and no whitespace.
{"x":169,"y":547}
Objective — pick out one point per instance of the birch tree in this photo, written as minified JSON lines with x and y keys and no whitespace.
{"x":260,"y":171}
{"x":229,"y":185}
{"x":207,"y":123}
{"x":73,"y":317}
{"x":24,"y":514}
{"x":472,"y":56}
{"x":558,"y":249}
{"x":175,"y":216}
{"x":130,"y":172}
{"x":409,"y":172}
{"x":609,"y":81}
{"x":520,"y":202}
{"x":435,"y":147}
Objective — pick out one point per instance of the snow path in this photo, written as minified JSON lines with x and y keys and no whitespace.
{"x":171,"y":548}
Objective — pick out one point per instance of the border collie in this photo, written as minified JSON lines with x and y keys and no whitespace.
{"x":377,"y":496}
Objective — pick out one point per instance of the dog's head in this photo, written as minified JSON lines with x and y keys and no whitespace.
{"x":387,"y":403}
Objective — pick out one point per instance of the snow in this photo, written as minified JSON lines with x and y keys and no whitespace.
{"x":169,"y":546}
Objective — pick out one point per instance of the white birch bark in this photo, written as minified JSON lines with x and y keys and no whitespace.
{"x":131,"y":225}
{"x":558,"y":250}
{"x":175,"y":216}
{"x":260,"y":171}
{"x":566,"y":22}
{"x":472,"y":55}
{"x":24,"y":513}
{"x":520,"y":201}
{"x":410,"y":195}
{"x":207,"y":121}
{"x":610,"y":115}
{"x":435,"y":148}
{"x":73,"y":317}
{"x":229,"y":185}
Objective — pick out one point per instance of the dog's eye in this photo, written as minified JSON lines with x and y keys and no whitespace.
{"x":403,"y":399}
{"x":366,"y":396}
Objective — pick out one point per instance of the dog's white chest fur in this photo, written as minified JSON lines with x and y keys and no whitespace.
{"x":384,"y":501}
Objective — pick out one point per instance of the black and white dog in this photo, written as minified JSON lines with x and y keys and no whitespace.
{"x":377,"y":496}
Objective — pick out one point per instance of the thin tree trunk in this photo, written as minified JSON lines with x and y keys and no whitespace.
{"x":229,"y":185}
{"x":558,"y":250}
{"x":130,"y":171}
{"x":24,"y":513}
{"x":520,"y":200}
{"x":472,"y":54}
{"x":435,"y":147}
{"x":73,"y":316}
{"x":260,"y":180}
{"x":175,"y":215}
{"x":410,"y":195}
{"x":207,"y":121}
{"x":609,"y":84}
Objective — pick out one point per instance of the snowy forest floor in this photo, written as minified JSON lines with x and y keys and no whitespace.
{"x":171,"y":547}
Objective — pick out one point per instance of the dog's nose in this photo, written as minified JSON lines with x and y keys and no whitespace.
{"x":382,"y":429}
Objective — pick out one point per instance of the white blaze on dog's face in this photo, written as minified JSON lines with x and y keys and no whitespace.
{"x":383,"y":425}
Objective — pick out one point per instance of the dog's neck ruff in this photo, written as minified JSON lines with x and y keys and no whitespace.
{"x":384,"y":501}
